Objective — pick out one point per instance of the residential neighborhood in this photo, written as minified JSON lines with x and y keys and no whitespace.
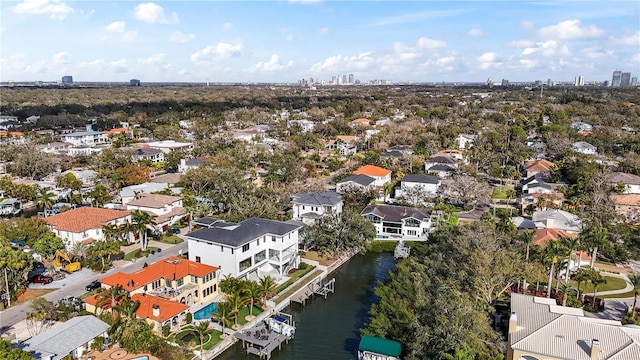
{"x":201,"y":230}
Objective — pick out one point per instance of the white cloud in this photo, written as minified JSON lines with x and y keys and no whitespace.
{"x":155,"y":59}
{"x":339,"y":63}
{"x":445,"y":61}
{"x":129,"y":36}
{"x":227,"y":26}
{"x":636,"y":58}
{"x":548,"y":48}
{"x":116,"y":27}
{"x":152,"y":13}
{"x":489,"y":60}
{"x":56,"y":9}
{"x":61,"y":58}
{"x":475,"y":32}
{"x":179,"y":37}
{"x":593,"y":53}
{"x":415,"y":17}
{"x":425,"y":43}
{"x":274,"y":64}
{"x":323,"y":31}
{"x":213,"y":53}
{"x":570,"y":30}
{"x":119,"y":66}
{"x":522,"y":43}
{"x":631,"y":40}
{"x":527,"y":24}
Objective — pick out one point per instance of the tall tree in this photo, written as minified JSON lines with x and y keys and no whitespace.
{"x":553,"y":251}
{"x":223,"y":314}
{"x":46,"y":199}
{"x":142,"y":220}
{"x":267,"y":287}
{"x":251,"y":292}
{"x":634,"y":280}
{"x":201,"y":330}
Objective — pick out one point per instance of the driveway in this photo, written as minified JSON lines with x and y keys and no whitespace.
{"x":82,"y":276}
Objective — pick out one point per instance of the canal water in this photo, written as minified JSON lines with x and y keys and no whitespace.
{"x":330,"y":329}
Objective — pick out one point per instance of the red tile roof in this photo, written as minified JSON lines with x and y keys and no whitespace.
{"x":626,"y":199}
{"x":539,"y":165}
{"x":167,"y":308}
{"x":542,"y":236}
{"x":116,"y":131}
{"x":84,"y":218}
{"x":372,"y":170}
{"x":155,"y":201}
{"x":170,"y":268}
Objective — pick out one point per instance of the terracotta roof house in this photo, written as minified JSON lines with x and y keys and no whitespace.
{"x":84,"y":224}
{"x":362,"y":122}
{"x":631,"y":181}
{"x":172,"y":284}
{"x":540,"y":329}
{"x":398,"y":222}
{"x":539,"y":166}
{"x":627,"y":205}
{"x":167,"y":209}
{"x":542,"y":236}
{"x":382,"y":176}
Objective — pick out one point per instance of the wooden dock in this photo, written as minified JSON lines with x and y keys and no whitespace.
{"x":314,"y":287}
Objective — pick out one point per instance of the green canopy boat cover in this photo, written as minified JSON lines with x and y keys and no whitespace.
{"x":380,"y":346}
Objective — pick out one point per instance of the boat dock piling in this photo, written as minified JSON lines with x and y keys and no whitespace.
{"x":314,"y":287}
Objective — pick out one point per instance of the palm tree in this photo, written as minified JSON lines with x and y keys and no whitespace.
{"x":110,"y":231}
{"x":223,"y":314}
{"x":552,"y":252}
{"x":527,"y":238}
{"x":201,"y":331}
{"x":111,"y":297}
{"x":594,"y":237}
{"x":565,"y":289}
{"x":141,"y":220}
{"x":236,"y":302}
{"x":46,"y":199}
{"x":570,"y":244}
{"x":126,"y":312}
{"x":80,"y":249}
{"x":125,"y":230}
{"x":596,"y":280}
{"x":634,"y":280}
{"x":581,"y":276}
{"x":252,"y":293}
{"x":104,"y":248}
{"x":267,"y":287}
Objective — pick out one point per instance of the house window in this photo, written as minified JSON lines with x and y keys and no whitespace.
{"x":221,"y":248}
{"x":273,"y":238}
{"x":412,"y":232}
{"x":245,"y":247}
{"x":260,"y":256}
{"x":302,"y":207}
{"x":180,"y":282}
{"x":245,"y":264}
{"x":198,"y":259}
{"x":374,"y":219}
{"x":155,"y":284}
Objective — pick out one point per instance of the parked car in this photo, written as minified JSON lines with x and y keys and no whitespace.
{"x":176,"y":231}
{"x":41,"y":279}
{"x":95,"y":284}
{"x":69,"y":300}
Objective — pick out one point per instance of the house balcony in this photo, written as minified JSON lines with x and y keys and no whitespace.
{"x":181,"y":294}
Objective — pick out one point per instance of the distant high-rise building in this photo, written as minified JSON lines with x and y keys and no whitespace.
{"x":625,"y":79}
{"x":505,"y":82}
{"x":344,"y":79}
{"x":607,"y":83}
{"x":334,"y":80}
{"x":311,"y":81}
{"x":616,"y":80}
{"x":634,"y":81}
{"x":67,"y":80}
{"x":134,"y":82}
{"x":351,"y":79}
{"x":579,"y":81}
{"x":549,"y":83}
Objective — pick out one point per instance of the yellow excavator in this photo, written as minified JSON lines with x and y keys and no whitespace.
{"x":63,"y":262}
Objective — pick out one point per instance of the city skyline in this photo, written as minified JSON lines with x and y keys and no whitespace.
{"x":284,"y":41}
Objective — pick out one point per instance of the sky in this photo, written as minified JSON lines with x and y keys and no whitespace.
{"x":285,"y":41}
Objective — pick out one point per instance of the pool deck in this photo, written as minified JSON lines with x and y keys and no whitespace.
{"x":116,"y":353}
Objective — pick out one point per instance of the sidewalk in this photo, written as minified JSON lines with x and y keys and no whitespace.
{"x":621,"y":291}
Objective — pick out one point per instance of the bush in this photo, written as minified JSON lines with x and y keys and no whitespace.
{"x":303,"y":266}
{"x":189,"y":318}
{"x":166,"y":329}
{"x":381,"y":246}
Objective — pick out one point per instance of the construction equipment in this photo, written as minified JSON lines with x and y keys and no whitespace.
{"x":63,"y":262}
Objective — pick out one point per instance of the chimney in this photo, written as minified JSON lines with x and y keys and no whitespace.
{"x":595,"y":349}
{"x":550,"y":223}
{"x":156,"y":310}
{"x":513,"y":323}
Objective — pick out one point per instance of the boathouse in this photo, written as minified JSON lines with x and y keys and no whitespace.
{"x":375,"y":348}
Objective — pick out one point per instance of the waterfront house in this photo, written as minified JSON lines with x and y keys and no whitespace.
{"x":631,"y":182}
{"x":308,"y":207}
{"x":540,"y":329}
{"x":165,"y":289}
{"x":627,"y":205}
{"x":382,"y":176}
{"x":429,"y":184}
{"x":166,"y":209}
{"x":169,"y":145}
{"x":70,"y":339}
{"x":251,"y":248}
{"x":398,"y":222}
{"x":357,"y":182}
{"x":84,"y":224}
{"x":557,"y":219}
{"x":88,"y":138}
{"x":375,"y":348}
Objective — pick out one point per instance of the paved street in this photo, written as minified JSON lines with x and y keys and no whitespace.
{"x":73,"y":285}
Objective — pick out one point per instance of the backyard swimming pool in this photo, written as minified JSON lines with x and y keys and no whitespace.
{"x":205,"y":312}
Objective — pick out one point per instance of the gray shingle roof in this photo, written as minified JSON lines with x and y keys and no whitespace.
{"x":363,"y":180}
{"x":239,"y":234}
{"x":421,"y":178}
{"x":193,"y":162}
{"x":66,"y":337}
{"x":625,"y":178}
{"x":323,"y":198}
{"x":396,"y":213}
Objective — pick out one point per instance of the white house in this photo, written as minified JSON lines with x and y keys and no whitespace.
{"x":382,"y":176}
{"x":360,"y":182}
{"x":466,"y":141}
{"x":84,"y":224}
{"x":344,"y":144}
{"x":536,"y":185}
{"x":149,"y":154}
{"x":70,"y":338}
{"x":631,"y":182}
{"x":253,"y":247}
{"x":128,"y":193}
{"x":186,"y":165}
{"x":582,"y":126}
{"x":169,"y":145}
{"x":429,"y":184}
{"x":167,"y":209}
{"x":398,"y":222}
{"x":307,"y":207}
{"x":557,"y":219}
{"x":86,"y":138}
{"x":584,"y":148}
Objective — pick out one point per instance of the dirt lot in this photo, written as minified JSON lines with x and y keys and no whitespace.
{"x":323,"y":260}
{"x":31,"y":294}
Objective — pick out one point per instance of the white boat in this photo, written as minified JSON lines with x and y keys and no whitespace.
{"x":10,"y":206}
{"x":279,"y":325}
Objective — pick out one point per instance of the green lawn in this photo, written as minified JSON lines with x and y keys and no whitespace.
{"x":500,"y":192}
{"x":613,"y":283}
{"x":244,"y":312}
{"x":137,"y":253}
{"x":629,"y":294}
{"x":213,"y":339}
{"x":173,"y":239}
{"x":293,"y":277}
